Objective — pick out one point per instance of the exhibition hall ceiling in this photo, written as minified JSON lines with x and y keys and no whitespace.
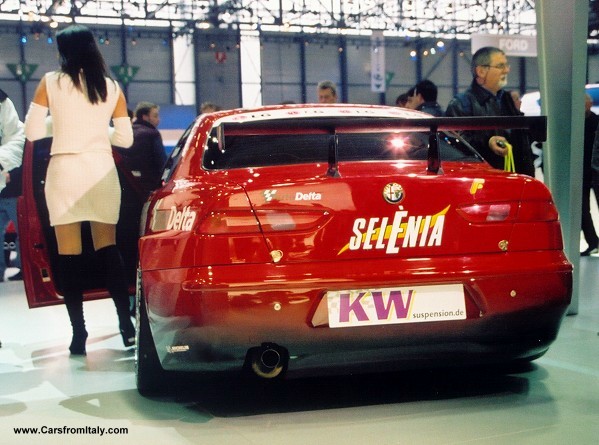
{"x":410,"y":18}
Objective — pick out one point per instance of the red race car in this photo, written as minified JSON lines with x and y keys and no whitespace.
{"x":304,"y":239}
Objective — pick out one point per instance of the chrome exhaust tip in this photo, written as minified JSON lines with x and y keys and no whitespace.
{"x":268,"y":360}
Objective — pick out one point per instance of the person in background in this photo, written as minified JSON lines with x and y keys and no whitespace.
{"x":424,"y":98}
{"x":208,"y":107}
{"x":8,"y":213}
{"x":516,"y":98}
{"x":141,"y":168}
{"x":486,"y":97}
{"x":146,"y":157}
{"x":595,"y":167}
{"x":402,"y":100}
{"x":12,"y":140}
{"x":327,"y":92}
{"x":82,"y":183}
{"x":591,"y":123}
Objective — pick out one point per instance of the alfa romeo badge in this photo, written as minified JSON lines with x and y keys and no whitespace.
{"x":393,"y":193}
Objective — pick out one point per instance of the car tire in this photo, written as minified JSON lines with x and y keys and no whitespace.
{"x":150,"y":377}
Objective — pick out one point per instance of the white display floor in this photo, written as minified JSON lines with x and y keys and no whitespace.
{"x":555,"y":401}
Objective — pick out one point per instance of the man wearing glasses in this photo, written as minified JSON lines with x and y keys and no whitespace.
{"x":486,"y":97}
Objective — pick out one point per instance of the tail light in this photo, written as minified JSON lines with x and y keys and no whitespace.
{"x":485,"y":213}
{"x":538,"y":211}
{"x":291,"y":220}
{"x":226,"y":222}
{"x":535,"y":224}
{"x":510,"y":212}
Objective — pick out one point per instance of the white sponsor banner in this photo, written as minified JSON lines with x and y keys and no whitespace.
{"x":415,"y":304}
{"x":511,"y":45}
{"x":377,"y":62}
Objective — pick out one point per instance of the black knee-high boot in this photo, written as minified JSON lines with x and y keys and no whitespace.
{"x":69,"y":269}
{"x":116,"y":283}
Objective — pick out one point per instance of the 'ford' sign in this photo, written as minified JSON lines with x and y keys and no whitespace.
{"x":511,"y":45}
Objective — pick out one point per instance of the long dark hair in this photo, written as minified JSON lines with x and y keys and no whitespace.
{"x":80,"y":56}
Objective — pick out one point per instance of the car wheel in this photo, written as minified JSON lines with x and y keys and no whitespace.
{"x":149,"y":375}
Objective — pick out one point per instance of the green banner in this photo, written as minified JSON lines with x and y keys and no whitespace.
{"x":389,"y":75}
{"x":22,"y":71}
{"x":124,"y":73}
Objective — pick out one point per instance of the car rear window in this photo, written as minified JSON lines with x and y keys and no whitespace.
{"x":240,"y":151}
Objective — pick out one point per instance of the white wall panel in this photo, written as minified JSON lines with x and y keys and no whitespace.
{"x":218,"y":69}
{"x":153,"y":57}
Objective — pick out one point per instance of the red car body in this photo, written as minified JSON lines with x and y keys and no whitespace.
{"x":296,"y":240}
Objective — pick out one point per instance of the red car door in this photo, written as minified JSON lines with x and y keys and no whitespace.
{"x":37,"y":240}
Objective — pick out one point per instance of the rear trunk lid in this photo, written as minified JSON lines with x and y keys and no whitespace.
{"x":385,"y":209}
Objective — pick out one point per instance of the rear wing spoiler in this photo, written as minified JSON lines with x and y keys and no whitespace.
{"x":536,"y":126}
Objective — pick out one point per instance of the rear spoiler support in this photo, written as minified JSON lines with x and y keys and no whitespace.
{"x":434,"y":156}
{"x":333,"y":170}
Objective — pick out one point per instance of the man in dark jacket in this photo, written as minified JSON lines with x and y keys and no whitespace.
{"x":141,"y":168}
{"x":145,"y":159}
{"x":424,"y":98}
{"x":486,"y":97}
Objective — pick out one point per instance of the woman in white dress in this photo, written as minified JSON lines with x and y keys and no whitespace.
{"x":82,"y":182}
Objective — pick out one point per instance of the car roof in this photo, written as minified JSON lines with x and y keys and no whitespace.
{"x":313,"y":110}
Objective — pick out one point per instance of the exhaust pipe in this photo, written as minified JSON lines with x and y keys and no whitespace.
{"x":268,"y":360}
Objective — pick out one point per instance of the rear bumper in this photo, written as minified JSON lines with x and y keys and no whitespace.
{"x":206,"y":319}
{"x":486,"y":342}
{"x":520,"y":336}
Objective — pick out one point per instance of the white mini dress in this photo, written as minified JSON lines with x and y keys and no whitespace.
{"x":82,"y":183}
